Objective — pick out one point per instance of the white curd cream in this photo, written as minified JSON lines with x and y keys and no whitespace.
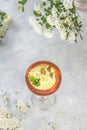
{"x":44,"y":75}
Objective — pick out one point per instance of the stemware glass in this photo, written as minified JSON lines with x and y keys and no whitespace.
{"x":81,"y":5}
{"x":43,"y":96}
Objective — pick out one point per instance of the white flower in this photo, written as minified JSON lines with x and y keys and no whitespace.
{"x":71,"y":37}
{"x":48,"y":33}
{"x":20,"y":6}
{"x":32,"y":20}
{"x":63,"y":34}
{"x":68,"y":4}
{"x":37,"y":27}
{"x":5,"y":24}
{"x":39,"y":8}
{"x":67,"y":21}
{"x":7,"y":121}
{"x":10,"y":123}
{"x":63,"y":14}
{"x":54,"y":11}
{"x":57,"y":24}
{"x":50,"y":20}
{"x":22,"y":107}
{"x":6,"y":99}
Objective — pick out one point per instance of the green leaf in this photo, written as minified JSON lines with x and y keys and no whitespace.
{"x":48,"y":26}
{"x":75,"y":40}
{"x":47,"y":11}
{"x":36,"y":13}
{"x":81,"y":37}
{"x":44,"y":3}
{"x":62,"y":18}
{"x":76,"y":34}
{"x":22,"y":2}
{"x":66,"y":25}
{"x":34,"y":81}
{"x":51,"y":2}
{"x":1,"y":24}
{"x":73,"y":10}
{"x":58,"y":2}
{"x":43,"y":19}
{"x":80,"y":24}
{"x":59,"y":8}
{"x":23,"y":8}
{"x":2,"y":15}
{"x":40,"y":23}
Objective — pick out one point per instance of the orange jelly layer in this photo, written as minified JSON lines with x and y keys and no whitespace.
{"x":46,"y":68}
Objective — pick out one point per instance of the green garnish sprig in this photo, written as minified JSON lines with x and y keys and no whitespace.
{"x":34,"y":80}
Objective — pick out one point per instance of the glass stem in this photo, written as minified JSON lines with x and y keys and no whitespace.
{"x":44,"y":98}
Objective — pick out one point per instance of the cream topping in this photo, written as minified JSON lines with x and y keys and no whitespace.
{"x":44,"y":77}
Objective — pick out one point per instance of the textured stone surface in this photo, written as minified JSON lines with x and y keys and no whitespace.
{"x":22,"y":46}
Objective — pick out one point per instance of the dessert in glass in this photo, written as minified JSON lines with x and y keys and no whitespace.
{"x":43,"y":79}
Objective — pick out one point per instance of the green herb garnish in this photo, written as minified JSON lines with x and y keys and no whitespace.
{"x":34,"y":81}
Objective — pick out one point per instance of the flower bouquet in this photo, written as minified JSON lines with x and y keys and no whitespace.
{"x":57,"y":14}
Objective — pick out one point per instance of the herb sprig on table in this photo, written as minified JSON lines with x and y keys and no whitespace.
{"x":21,"y":4}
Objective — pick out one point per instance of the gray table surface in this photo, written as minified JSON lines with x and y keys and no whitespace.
{"x":22,"y":46}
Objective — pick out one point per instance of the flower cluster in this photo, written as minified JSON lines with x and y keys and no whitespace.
{"x":22,"y":107}
{"x":4,"y":23}
{"x":8,"y":121}
{"x":57,"y":14}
